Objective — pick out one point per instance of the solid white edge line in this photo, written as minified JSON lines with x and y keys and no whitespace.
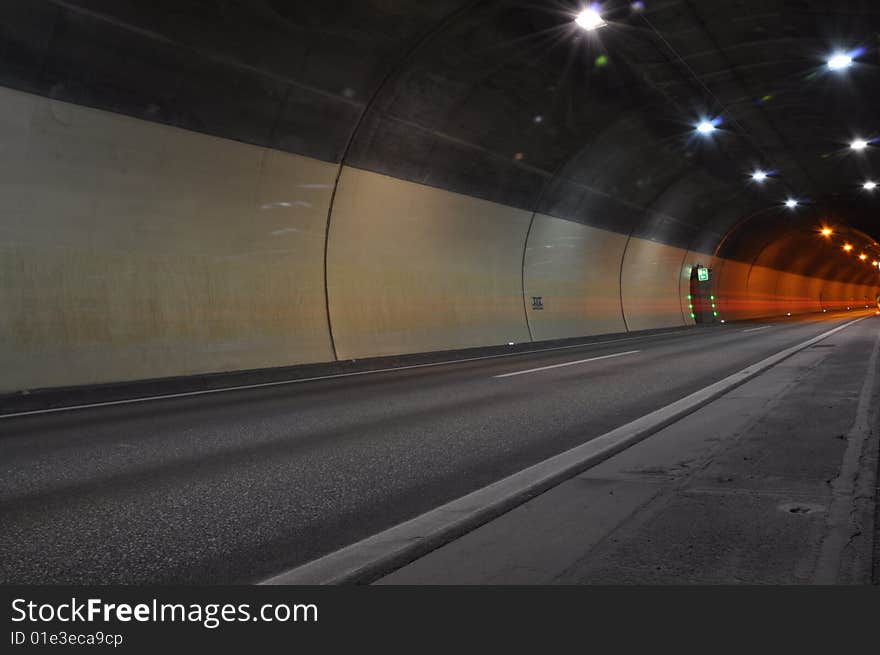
{"x":202,"y":392}
{"x":580,"y":361}
{"x":376,"y":556}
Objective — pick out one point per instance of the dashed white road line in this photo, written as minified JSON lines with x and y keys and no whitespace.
{"x":259,"y":385}
{"x":763,"y":327}
{"x":580,"y":361}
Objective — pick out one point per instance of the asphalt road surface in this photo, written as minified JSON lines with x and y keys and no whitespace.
{"x":235,"y":486}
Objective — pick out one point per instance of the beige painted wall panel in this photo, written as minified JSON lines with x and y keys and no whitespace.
{"x":832,"y":294}
{"x":576,"y":271}
{"x":864,"y":300}
{"x":784,"y":290}
{"x":810,"y":288}
{"x":133,"y":250}
{"x":858,"y":294}
{"x":794,"y":292}
{"x":761,"y":292}
{"x":413,"y":268}
{"x":746,"y":292}
{"x":651,"y":285}
{"x":826,"y":294}
{"x":814,"y":290}
{"x":730,"y":284}
{"x":845,"y":296}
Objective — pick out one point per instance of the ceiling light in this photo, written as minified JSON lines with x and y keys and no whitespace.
{"x":589,"y":19}
{"x":791,"y":203}
{"x":858,"y":144}
{"x":863,"y":256}
{"x":847,"y":247}
{"x":840,"y":61}
{"x":706,"y":127}
{"x":759,"y":175}
{"x":826,"y":232}
{"x":869,"y":186}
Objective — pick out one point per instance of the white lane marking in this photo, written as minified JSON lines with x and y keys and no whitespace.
{"x":580,"y":361}
{"x":386,"y":551}
{"x":203,"y":392}
{"x":143,"y":399}
{"x":763,"y":327}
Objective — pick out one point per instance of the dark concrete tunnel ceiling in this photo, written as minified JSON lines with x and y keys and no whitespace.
{"x":507,"y":101}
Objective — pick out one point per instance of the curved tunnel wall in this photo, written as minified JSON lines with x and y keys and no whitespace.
{"x":411,"y":268}
{"x":576,"y":269}
{"x":793,"y":272}
{"x":135,"y":250}
{"x":269,"y":183}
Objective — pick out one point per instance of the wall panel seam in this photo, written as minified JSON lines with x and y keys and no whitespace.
{"x":393,"y":72}
{"x":523,"y":276}
{"x":678,"y":285}
{"x":620,"y":278}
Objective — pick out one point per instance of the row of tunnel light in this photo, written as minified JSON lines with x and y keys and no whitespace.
{"x":760,"y":175}
{"x":590,"y":19}
{"x":827,"y":232}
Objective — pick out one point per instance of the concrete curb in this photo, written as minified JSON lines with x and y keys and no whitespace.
{"x":846,"y":554}
{"x":378,"y":555}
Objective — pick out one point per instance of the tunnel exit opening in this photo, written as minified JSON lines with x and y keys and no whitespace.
{"x":701,"y":300}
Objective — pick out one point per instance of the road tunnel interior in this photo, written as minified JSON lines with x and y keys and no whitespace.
{"x":485,"y":291}
{"x":226,"y":186}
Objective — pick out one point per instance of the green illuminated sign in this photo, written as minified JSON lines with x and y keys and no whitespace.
{"x":702,"y":274}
